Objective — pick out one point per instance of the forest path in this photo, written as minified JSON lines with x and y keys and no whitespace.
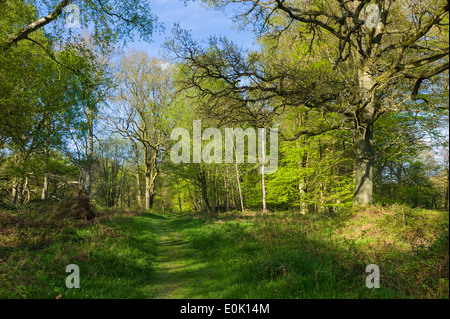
{"x":179,"y":274}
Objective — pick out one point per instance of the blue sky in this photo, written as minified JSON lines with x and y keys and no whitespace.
{"x":194,"y":16}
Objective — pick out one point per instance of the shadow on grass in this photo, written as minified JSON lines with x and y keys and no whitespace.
{"x":116,"y":260}
{"x":174,"y":256}
{"x":273,"y":259}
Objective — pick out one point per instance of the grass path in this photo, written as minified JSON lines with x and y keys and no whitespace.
{"x":232,"y":257}
{"x":179,"y":274}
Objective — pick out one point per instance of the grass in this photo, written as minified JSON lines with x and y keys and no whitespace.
{"x":249,"y":266}
{"x":114,"y":253}
{"x":180,"y":271}
{"x":288,"y":255}
{"x":232,"y":255}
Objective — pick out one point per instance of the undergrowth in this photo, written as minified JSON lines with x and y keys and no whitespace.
{"x":37,"y":242}
{"x":250,"y":255}
{"x":289,"y":255}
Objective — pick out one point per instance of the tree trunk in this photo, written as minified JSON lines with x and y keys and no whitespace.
{"x":263,"y":175}
{"x":303,"y":204}
{"x":179,"y":203}
{"x":204,"y":190}
{"x":206,"y":200}
{"x":363,"y":139}
{"x":303,"y":187}
{"x":44,"y":195}
{"x":263,"y":185}
{"x":446,"y":188}
{"x":446,"y":198}
{"x":364,"y":161}
{"x":192,"y":199}
{"x":19,"y":194}
{"x":138,"y":179}
{"x":238,"y":178}
{"x":303,"y":182}
{"x":152,"y":197}
{"x":151,"y":172}
{"x":90,"y":155}
{"x":147,"y":191}
{"x":138,"y":188}
{"x":227,"y":198}
{"x":45,"y":187}
{"x":26,"y":188}
{"x":14,"y":193}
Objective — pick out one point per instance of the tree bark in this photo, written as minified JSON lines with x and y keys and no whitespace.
{"x":363,"y":139}
{"x":151,"y":172}
{"x":179,"y":203}
{"x":138,"y":179}
{"x":22,"y":34}
{"x":26,"y":188}
{"x":204,"y":190}
{"x":152,"y":196}
{"x":44,"y":195}
{"x":364,"y":161}
{"x":19,"y":194}
{"x":238,"y":178}
{"x":303,"y":187}
{"x":263,"y":175}
{"x":45,"y":187}
{"x":226,"y":193}
{"x":90,"y":155}
{"x":147,"y":191}
{"x":14,"y":193}
{"x":192,"y":199}
{"x":303,"y":182}
{"x":138,"y":188}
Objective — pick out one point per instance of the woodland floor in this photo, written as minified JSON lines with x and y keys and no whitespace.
{"x":132,"y":255}
{"x":178,"y":272}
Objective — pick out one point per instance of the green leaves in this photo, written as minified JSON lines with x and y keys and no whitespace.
{"x":111,"y":21}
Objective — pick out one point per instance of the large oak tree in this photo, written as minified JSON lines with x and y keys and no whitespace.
{"x":380,"y":54}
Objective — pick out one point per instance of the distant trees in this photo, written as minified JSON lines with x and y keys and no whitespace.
{"x":114,"y":179}
{"x":361,"y":107}
{"x":52,"y":85}
{"x":144,"y":101}
{"x":36,"y":114}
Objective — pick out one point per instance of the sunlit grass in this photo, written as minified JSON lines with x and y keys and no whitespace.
{"x":115,"y":260}
{"x":234,"y":255}
{"x":288,"y":255}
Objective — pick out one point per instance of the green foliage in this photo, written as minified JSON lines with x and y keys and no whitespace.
{"x":233,"y":255}
{"x":405,"y":164}
{"x":316,"y":172}
{"x":288,"y":255}
{"x":114,"y":253}
{"x":107,"y":21}
{"x":55,"y":139}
